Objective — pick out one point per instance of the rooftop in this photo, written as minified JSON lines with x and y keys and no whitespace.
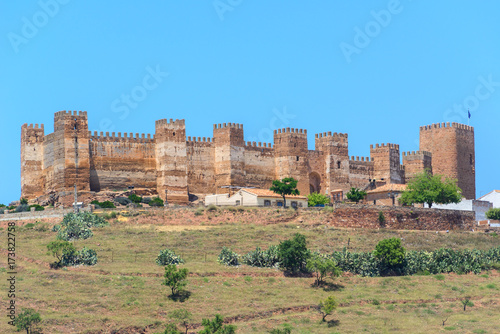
{"x":269,"y":193}
{"x":388,"y":187}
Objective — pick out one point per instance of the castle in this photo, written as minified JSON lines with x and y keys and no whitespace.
{"x":176,"y":166}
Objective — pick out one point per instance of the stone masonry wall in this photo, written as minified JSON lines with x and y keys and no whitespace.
{"x":400,"y":218}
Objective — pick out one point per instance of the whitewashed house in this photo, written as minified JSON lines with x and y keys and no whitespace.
{"x":255,"y":197}
{"x":493,"y":197}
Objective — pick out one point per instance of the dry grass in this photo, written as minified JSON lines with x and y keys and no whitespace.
{"x":124,"y":289}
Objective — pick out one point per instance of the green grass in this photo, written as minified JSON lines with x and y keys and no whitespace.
{"x":124,"y":289}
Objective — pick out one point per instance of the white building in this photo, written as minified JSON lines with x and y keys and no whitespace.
{"x":478,"y":206}
{"x":493,"y":197}
{"x":255,"y":197}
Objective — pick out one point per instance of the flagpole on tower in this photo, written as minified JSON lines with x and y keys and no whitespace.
{"x":468,"y":118}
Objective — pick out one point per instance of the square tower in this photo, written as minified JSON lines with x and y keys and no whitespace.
{"x":229,"y":150}
{"x":453,"y":154}
{"x":386,"y":163}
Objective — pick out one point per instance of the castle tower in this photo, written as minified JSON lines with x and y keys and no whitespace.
{"x":453,"y":154}
{"x":229,"y":150}
{"x":290,"y":149}
{"x":171,"y":160}
{"x":336,"y":154}
{"x":32,"y":181}
{"x":386,"y":162}
{"x":416,"y":163}
{"x":69,"y":146}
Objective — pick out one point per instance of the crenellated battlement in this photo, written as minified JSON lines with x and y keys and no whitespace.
{"x":447,"y":125}
{"x":330,"y":135}
{"x":228,"y":125}
{"x":357,"y":158}
{"x":199,"y":139}
{"x":290,"y":130}
{"x":417,"y":153}
{"x":64,"y":113}
{"x":258,"y":144}
{"x":31,"y":126}
{"x":388,"y":145}
{"x":118,"y":137}
{"x":170,"y":124}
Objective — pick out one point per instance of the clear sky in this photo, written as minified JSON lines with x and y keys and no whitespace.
{"x":376,"y":70}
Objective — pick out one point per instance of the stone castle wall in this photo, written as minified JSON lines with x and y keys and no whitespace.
{"x":175,"y":165}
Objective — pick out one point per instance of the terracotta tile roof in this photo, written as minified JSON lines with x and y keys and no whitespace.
{"x":337,"y":190}
{"x":269,"y":193}
{"x":388,"y":187}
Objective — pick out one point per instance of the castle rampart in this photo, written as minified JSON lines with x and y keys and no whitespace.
{"x":174,"y":165}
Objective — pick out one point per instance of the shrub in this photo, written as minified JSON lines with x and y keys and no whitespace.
{"x":27,"y":319}
{"x":107,"y":205}
{"x":2,"y":205}
{"x":287,"y":329}
{"x":228,"y":257}
{"x":364,"y":263}
{"x":293,"y":253}
{"x":166,"y":257}
{"x":212,"y":207}
{"x":327,"y":306}
{"x":23,"y":201}
{"x":157,"y":201}
{"x":263,"y":258}
{"x":493,"y":213}
{"x":77,"y":226}
{"x":381,"y":217}
{"x":56,"y":228}
{"x":23,"y":208}
{"x":175,"y":278}
{"x":356,"y":195}
{"x":135,"y":199}
{"x":390,"y":252}
{"x":123,"y":200}
{"x":146,"y":200}
{"x":87,"y":257}
{"x":216,"y":326}
{"x":199,"y":212}
{"x":322,"y":267}
{"x":314,"y":199}
{"x":2,"y":211}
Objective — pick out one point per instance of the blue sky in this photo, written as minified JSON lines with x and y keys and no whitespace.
{"x":376,"y":70}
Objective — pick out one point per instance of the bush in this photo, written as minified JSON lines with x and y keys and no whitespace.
{"x":37,"y":207}
{"x":123,"y":201}
{"x":157,"y":201}
{"x":77,"y":226}
{"x":322,"y":267}
{"x":135,"y":199}
{"x":146,"y":200}
{"x":199,"y":212}
{"x":23,"y":201}
{"x":293,"y":253}
{"x":381,"y":217}
{"x":356,"y":195}
{"x":390,"y":252}
{"x":2,"y":211}
{"x":314,"y":199}
{"x":175,"y":278}
{"x":228,"y":257}
{"x":23,"y":208}
{"x":2,"y":205}
{"x":216,"y":326}
{"x":364,"y":264}
{"x":87,"y":257}
{"x":493,"y":214}
{"x":212,"y":207}
{"x":167,"y":256}
{"x":107,"y":205}
{"x":263,"y":258}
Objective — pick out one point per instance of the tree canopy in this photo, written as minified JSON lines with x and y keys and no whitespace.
{"x":287,"y":186}
{"x":356,"y":195}
{"x":314,"y":199}
{"x":428,"y":188}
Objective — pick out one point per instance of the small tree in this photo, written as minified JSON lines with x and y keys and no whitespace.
{"x":381,"y":217}
{"x":23,"y":201}
{"x":428,"y":188}
{"x":466,"y":302}
{"x":390,"y":252}
{"x":327,"y":306}
{"x":27,"y":319}
{"x":59,"y":248}
{"x":216,"y":326}
{"x":175,"y":278}
{"x":287,"y":186}
{"x":493,"y":214}
{"x":322,"y":267}
{"x":293,"y":253}
{"x":182,"y":316}
{"x":314,"y":199}
{"x":356,"y":195}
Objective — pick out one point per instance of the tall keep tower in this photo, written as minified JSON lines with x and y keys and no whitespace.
{"x":70,"y":147}
{"x":387,"y":165}
{"x":290,"y":149}
{"x":171,"y":160}
{"x":453,"y":154}
{"x":32,"y":181}
{"x":336,"y":153}
{"x":229,"y":150}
